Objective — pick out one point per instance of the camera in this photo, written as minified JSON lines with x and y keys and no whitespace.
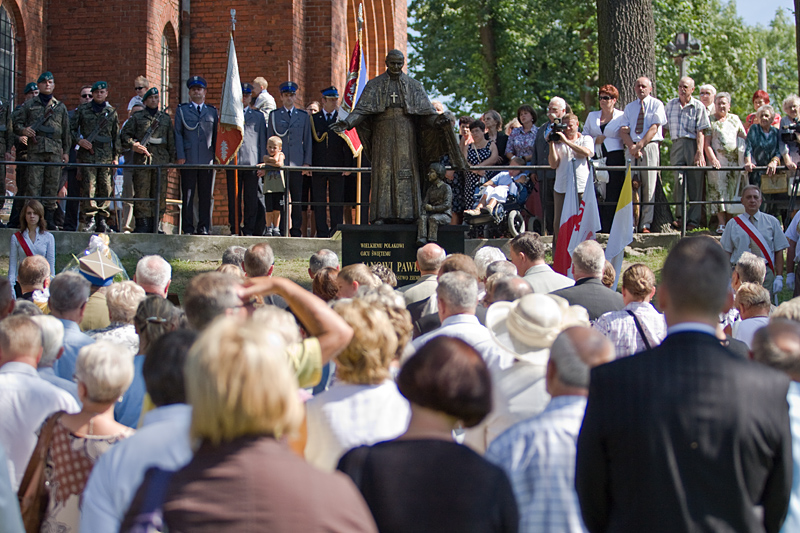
{"x":556,"y":128}
{"x":789,"y":132}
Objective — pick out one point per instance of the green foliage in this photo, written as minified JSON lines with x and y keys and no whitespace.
{"x":545,"y":48}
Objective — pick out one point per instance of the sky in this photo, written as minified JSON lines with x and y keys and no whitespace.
{"x":762,"y":11}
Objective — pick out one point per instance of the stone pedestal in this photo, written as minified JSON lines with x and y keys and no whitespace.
{"x":394,"y":245}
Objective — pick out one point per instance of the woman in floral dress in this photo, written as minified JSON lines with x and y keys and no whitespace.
{"x":103,"y":373}
{"x":724,"y":148}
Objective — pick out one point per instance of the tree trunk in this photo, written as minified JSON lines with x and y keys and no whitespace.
{"x":797,"y":39}
{"x":490,"y":59}
{"x":626,"y":44}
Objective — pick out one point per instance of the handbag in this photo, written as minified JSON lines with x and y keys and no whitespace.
{"x":33,"y":494}
{"x":778,"y":183}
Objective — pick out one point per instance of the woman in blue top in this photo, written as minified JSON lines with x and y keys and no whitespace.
{"x":31,"y":239}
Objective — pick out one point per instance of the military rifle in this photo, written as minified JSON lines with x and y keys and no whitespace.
{"x":149,"y":132}
{"x":96,"y":131}
{"x":48,"y":112}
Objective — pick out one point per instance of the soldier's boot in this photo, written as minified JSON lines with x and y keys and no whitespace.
{"x":90,"y":225}
{"x":148,"y":225}
{"x":100,"y":224}
{"x":49,"y":218}
{"x":140,"y":226}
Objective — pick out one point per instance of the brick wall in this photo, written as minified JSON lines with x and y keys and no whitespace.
{"x":117,"y":40}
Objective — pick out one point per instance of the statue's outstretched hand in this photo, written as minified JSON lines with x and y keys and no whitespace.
{"x":338,"y":127}
{"x":442,"y":120}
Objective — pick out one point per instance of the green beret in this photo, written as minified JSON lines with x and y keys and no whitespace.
{"x":150,"y":92}
{"x":99,"y":85}
{"x":31,"y":87}
{"x":45,"y":76}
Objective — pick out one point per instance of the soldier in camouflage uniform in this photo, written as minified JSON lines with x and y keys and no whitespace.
{"x":99,"y":118}
{"x":49,"y":143}
{"x":159,"y":150}
{"x":21,"y":144}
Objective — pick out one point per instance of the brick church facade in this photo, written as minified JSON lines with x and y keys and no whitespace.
{"x":167,"y":41}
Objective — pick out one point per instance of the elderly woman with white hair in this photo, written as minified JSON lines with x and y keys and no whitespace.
{"x":52,"y":348}
{"x":122,"y":299}
{"x":790,"y":127}
{"x":763,"y":148}
{"x":724,"y":147}
{"x":102,"y":373}
{"x":244,"y":402}
{"x":708,"y":95}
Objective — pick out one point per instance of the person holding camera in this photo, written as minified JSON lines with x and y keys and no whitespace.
{"x":569,"y":155}
{"x":790,"y":127}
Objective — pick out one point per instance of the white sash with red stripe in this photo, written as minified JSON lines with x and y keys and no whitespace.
{"x":756,"y":236}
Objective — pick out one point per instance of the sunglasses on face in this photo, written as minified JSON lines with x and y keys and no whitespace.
{"x":605,"y":97}
{"x":140,"y":88}
{"x":86,"y":95}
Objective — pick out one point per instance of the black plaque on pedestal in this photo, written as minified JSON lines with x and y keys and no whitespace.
{"x":395,"y":246}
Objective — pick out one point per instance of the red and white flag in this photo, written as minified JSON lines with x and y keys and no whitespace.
{"x":356,"y":80}
{"x":578,"y":223}
{"x":231,"y":117}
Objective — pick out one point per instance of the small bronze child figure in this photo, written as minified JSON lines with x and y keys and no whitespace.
{"x":437,"y":206}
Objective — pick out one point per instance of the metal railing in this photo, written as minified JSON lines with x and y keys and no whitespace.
{"x":161,"y":168}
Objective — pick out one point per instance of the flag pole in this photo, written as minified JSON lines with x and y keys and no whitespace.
{"x":360,"y":23}
{"x":236,"y":199}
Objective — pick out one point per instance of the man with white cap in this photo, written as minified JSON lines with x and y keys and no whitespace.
{"x":538,"y":454}
{"x":525,"y":330}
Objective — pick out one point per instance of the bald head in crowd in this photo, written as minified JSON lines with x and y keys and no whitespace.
{"x":574,"y":353}
{"x":259,"y":260}
{"x":509,"y":289}
{"x":778,"y":345}
{"x":430,"y":258}
{"x":154,"y":275}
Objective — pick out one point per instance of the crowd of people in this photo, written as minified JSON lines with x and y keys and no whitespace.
{"x":492,"y":394}
{"x":703,"y":132}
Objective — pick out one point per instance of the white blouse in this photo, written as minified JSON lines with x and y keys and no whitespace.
{"x":346,"y":416}
{"x":44,"y":245}
{"x":592,"y":128}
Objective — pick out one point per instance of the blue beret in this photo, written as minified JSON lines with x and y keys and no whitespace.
{"x":247,"y":88}
{"x":289,"y":87}
{"x":150,"y":92}
{"x":97,"y":282}
{"x":99,"y":85}
{"x":45,"y":76}
{"x":196,"y":80}
{"x":31,"y":87}
{"x":330,"y":92}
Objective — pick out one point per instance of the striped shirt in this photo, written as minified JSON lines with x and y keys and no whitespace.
{"x":538,"y":455}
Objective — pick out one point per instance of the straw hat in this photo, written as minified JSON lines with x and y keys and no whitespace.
{"x":528,"y":326}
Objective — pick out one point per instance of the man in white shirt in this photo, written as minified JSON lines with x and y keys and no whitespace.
{"x":527,"y":254}
{"x":52,"y":348}
{"x":154,"y":275}
{"x":759,"y":233}
{"x":429,"y":258}
{"x":25,"y":398}
{"x":640,"y":131}
{"x":688,"y":119}
{"x":457,"y":299}
{"x":538,"y":454}
{"x":163,"y":440}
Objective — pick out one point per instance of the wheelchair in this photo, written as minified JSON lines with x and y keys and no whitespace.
{"x":508,"y":219}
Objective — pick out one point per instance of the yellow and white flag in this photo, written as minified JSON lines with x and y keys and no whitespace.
{"x":621,"y":234}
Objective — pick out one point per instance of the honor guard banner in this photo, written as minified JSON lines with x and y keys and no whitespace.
{"x":356,"y":79}
{"x":231,"y":118}
{"x":579,"y":222}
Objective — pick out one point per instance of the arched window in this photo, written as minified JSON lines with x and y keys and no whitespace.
{"x":165,"y":65}
{"x":7,"y":58}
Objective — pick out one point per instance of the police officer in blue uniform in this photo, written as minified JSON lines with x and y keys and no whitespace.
{"x":294,"y":127}
{"x":195,"y":140}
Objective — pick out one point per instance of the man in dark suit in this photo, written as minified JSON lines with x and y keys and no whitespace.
{"x":329,"y":150}
{"x":588,"y":261}
{"x":294,"y":127}
{"x":686,"y":436}
{"x":196,"y":141}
